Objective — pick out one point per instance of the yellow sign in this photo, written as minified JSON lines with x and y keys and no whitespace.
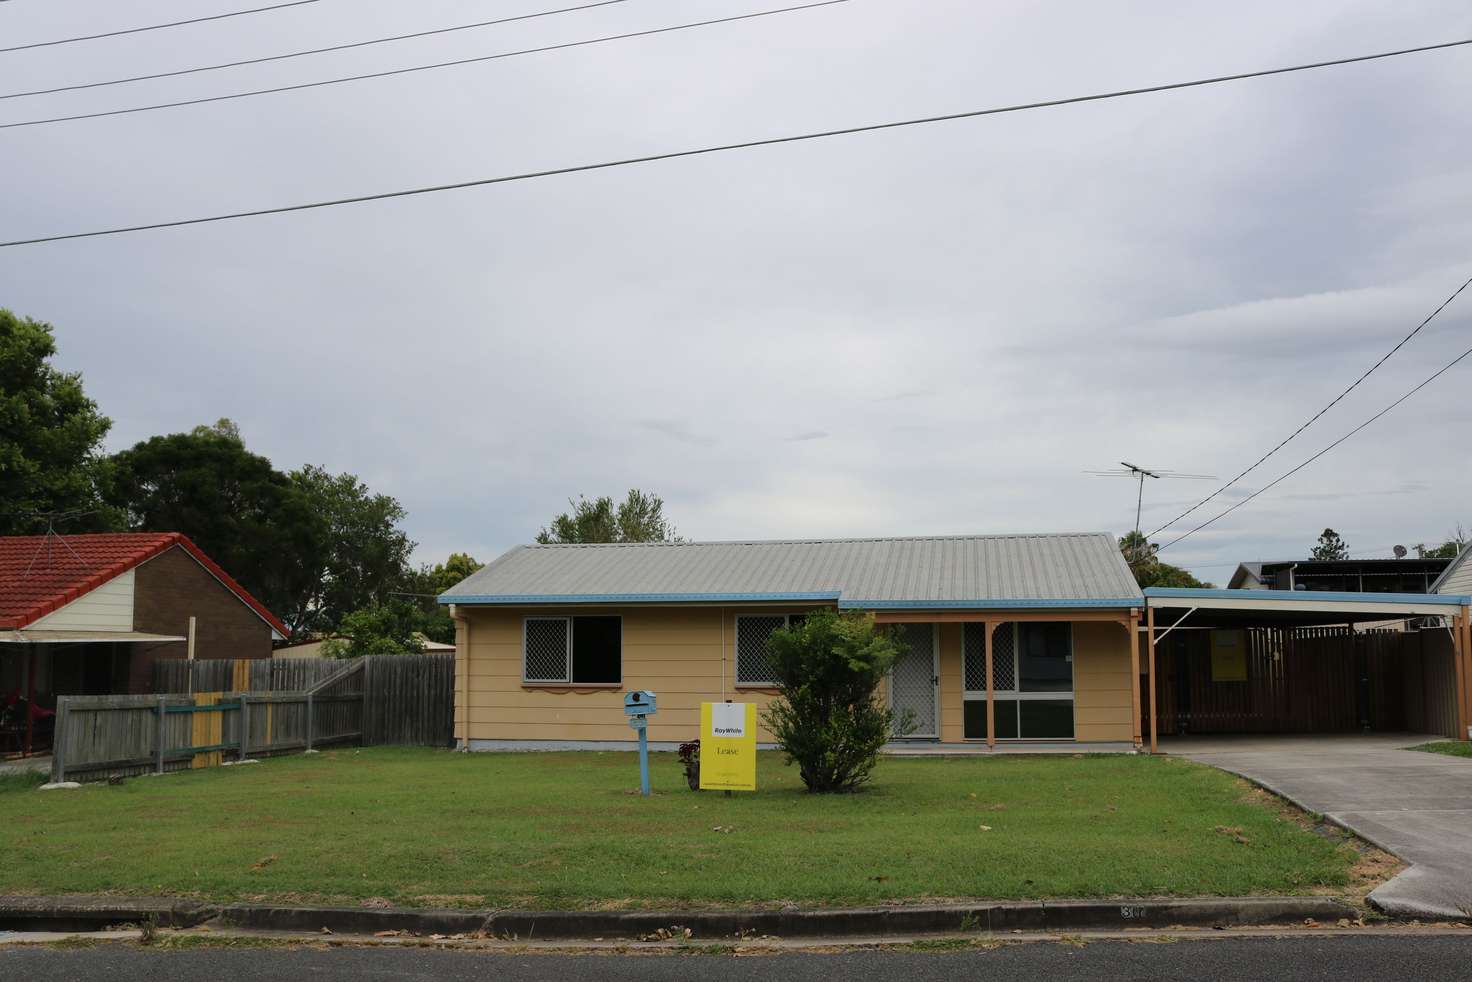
{"x":727,"y":746}
{"x":1228,"y":656}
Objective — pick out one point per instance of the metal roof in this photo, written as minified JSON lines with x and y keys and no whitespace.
{"x":1295,"y":607}
{"x":1058,"y":570}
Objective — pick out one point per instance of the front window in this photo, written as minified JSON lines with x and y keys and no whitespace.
{"x":753,"y":661}
{"x":1032,"y":681}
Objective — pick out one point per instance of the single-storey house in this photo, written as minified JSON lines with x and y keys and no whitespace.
{"x":1009,"y":639}
{"x":549,"y":636}
{"x":90,"y":614}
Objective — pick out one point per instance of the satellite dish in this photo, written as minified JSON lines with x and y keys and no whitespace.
{"x":1400,"y":552}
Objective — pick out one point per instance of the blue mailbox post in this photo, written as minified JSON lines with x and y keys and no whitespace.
{"x":638,"y":707}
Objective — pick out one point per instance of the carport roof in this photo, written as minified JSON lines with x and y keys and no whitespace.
{"x":1290,"y":608}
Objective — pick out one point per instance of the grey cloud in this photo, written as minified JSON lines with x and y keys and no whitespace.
{"x":977,"y":306}
{"x":808,"y":435}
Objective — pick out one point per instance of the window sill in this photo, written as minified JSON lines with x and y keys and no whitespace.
{"x":755,"y":687}
{"x":574,"y":686}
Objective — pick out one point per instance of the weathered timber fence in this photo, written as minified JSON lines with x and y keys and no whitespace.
{"x":104,"y":736}
{"x":408,"y":700}
{"x":1310,"y":680}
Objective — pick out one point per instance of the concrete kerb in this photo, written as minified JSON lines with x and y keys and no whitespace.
{"x":981,"y":918}
{"x":87,"y":914}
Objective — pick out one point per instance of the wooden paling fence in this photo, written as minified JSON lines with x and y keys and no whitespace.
{"x":1310,"y":680}
{"x":206,"y":718}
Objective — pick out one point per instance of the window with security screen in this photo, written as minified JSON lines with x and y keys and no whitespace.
{"x":753,"y":666}
{"x":572,"y":650}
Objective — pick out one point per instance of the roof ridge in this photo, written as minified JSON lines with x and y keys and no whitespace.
{"x":960,"y":537}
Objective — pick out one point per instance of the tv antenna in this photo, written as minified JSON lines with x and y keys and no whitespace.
{"x":1127,"y":469}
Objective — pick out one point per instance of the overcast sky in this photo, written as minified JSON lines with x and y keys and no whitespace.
{"x":922,"y":331}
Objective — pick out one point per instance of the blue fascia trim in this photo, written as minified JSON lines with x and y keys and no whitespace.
{"x":1015,"y":604}
{"x":635,"y":598}
{"x":1306,"y":597}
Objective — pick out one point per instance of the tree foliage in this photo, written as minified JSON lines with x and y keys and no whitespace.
{"x":827,"y":717}
{"x":428,"y":582}
{"x":1450,"y":549}
{"x":638,"y":518}
{"x":311,"y":545}
{"x":50,"y":433}
{"x":382,"y":629}
{"x":1147,"y":567}
{"x":363,"y":556}
{"x":1330,"y":546}
{"x":242,"y":512}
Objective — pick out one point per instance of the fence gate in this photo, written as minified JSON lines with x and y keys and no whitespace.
{"x":914,"y":681}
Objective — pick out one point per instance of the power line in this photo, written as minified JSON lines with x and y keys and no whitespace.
{"x":155,"y":27}
{"x":1276,"y":481}
{"x":422,"y":68}
{"x":309,"y":51}
{"x":1332,"y":403}
{"x":721,"y":148}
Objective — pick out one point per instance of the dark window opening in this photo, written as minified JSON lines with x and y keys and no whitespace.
{"x":597,"y":650}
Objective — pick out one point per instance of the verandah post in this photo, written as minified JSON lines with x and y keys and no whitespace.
{"x":1132,"y":625}
{"x":991,"y":719}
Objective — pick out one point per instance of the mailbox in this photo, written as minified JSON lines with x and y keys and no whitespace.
{"x":640,"y":702}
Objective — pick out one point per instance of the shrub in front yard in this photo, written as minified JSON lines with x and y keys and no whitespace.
{"x":827,"y":718}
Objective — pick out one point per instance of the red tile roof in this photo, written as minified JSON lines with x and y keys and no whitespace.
{"x":39,"y":574}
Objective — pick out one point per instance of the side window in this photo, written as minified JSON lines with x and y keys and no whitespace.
{"x":572,"y":650}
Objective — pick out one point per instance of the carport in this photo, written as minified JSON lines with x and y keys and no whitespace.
{"x":1277,"y":661}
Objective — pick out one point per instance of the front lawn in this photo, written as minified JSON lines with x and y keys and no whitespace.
{"x":552,"y":830}
{"x":1452,"y":748}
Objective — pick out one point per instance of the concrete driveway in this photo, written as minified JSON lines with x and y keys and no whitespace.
{"x":1415,"y":805}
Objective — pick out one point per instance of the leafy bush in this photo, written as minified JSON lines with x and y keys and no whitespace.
{"x":828,"y":719}
{"x":690,"y":758}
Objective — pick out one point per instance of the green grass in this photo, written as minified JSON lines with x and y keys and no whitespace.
{"x":558,"y":830}
{"x":21,"y":780}
{"x":1452,"y":748}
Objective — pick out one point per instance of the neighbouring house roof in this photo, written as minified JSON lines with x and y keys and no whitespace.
{"x":978,"y":571}
{"x":1457,"y":577}
{"x":1307,"y":570}
{"x":42,"y":573}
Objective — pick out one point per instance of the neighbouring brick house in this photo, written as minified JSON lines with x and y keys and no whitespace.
{"x":90,"y":614}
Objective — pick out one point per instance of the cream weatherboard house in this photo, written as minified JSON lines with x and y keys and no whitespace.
{"x":549,"y":637}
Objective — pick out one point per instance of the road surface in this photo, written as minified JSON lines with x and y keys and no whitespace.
{"x":1424,"y":958}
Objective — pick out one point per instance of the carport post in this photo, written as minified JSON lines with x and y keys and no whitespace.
{"x":991,"y":719}
{"x":1133,"y":627}
{"x":1460,"y":655}
{"x":1467,"y":665}
{"x":1154,"y":729}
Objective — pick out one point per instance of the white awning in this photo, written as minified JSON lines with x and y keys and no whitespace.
{"x":81,"y":637}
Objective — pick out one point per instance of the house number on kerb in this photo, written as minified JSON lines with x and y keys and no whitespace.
{"x":1131,"y":913}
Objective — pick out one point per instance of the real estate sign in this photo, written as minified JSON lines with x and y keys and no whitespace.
{"x":728,"y":746}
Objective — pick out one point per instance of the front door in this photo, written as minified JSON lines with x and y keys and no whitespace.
{"x":913,"y":682}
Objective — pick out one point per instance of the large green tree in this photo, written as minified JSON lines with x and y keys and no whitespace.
{"x":638,"y":518}
{"x":1450,"y":549}
{"x":1147,"y":567}
{"x":364,"y":556}
{"x":50,"y":433}
{"x":247,"y":516}
{"x":1330,"y":546}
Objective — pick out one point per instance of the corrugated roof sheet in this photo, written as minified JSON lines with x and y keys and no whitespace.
{"x":957,"y":571}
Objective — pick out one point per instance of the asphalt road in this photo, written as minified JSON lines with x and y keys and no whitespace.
{"x":1340,"y":959}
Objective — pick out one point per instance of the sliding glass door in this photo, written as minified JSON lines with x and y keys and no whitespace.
{"x":1032,"y":680}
